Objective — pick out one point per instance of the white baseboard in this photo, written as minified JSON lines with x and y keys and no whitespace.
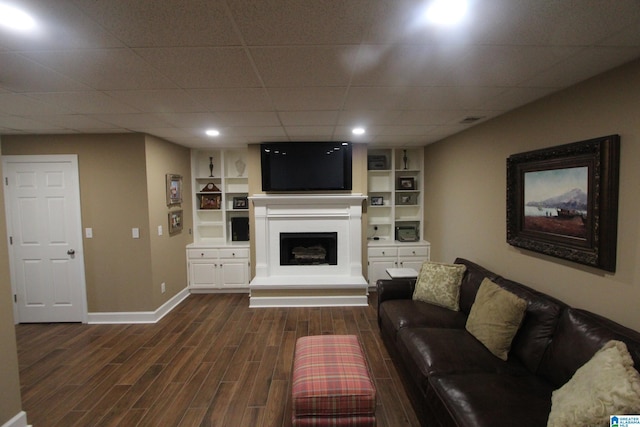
{"x":20,"y":420}
{"x":138,"y":316}
{"x":309,"y":301}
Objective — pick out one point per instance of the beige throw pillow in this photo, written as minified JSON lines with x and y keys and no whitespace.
{"x":605,"y":385}
{"x":495,"y":317}
{"x":439,"y":284}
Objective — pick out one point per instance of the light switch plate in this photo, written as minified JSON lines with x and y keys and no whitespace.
{"x":159,"y":230}
{"x":135,"y":233}
{"x":88,"y":233}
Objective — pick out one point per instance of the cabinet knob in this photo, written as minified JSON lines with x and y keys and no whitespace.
{"x":383,"y":253}
{"x":413,"y":252}
{"x":401,"y":263}
{"x":233,"y":254}
{"x":202,"y":254}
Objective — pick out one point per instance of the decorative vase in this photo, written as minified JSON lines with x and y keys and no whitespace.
{"x":211,"y":167}
{"x":405,"y":159}
{"x":240,"y":166}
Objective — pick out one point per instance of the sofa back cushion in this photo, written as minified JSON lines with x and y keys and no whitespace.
{"x":579,"y":336}
{"x":538,"y":326}
{"x":471,"y":281}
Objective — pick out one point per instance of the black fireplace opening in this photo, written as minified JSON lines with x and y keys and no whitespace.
{"x":309,"y":248}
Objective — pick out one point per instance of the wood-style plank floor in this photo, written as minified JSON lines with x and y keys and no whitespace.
{"x":212,"y":361}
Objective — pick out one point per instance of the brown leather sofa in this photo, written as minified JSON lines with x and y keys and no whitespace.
{"x":453,"y":380}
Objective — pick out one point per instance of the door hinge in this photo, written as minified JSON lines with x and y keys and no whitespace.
{"x":10,"y":240}
{"x":15,"y":298}
{"x":6,"y":180}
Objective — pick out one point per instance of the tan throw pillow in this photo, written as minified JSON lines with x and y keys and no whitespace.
{"x":439,"y":284}
{"x":605,"y":385}
{"x":495,"y":317}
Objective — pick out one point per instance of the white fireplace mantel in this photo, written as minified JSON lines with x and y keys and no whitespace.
{"x":286,"y":213}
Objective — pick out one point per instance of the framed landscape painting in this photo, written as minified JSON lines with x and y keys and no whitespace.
{"x":563,"y":201}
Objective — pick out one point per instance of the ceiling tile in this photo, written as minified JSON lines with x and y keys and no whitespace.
{"x":287,"y":22}
{"x":132,"y":121}
{"x":84,"y":102}
{"x":104,"y":69}
{"x":60,"y":25}
{"x":159,"y":101}
{"x":308,"y":118}
{"x":76,"y":122}
{"x":149,"y":23}
{"x":368,"y":117}
{"x":307,"y":98}
{"x":249,"y":118}
{"x":587,"y":63}
{"x":18,"y":104}
{"x":254,"y":131}
{"x":303,"y":132}
{"x":20,"y":74}
{"x":406,"y":65}
{"x":203,"y":67}
{"x":305,"y":66}
{"x":236,"y":99}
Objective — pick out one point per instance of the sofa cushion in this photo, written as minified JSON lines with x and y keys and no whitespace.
{"x":439,"y":284}
{"x":538,"y":326}
{"x":495,"y":318}
{"x":471,"y":281}
{"x":580,"y":334}
{"x":398,"y":314}
{"x":435,"y":351}
{"x":489,"y":400}
{"x":607,"y":384}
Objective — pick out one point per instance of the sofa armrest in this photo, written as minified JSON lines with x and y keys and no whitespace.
{"x":389,"y":289}
{"x":394,"y":289}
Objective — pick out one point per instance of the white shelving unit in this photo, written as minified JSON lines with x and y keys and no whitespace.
{"x":395,"y":208}
{"x":215,"y":209}
{"x":217,"y":260}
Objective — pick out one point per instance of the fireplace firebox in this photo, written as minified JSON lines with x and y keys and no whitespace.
{"x":309,"y":248}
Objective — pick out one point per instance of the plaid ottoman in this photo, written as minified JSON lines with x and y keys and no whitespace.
{"x":331,"y":383}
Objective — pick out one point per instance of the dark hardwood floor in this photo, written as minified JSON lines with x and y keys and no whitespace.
{"x":212,"y":361}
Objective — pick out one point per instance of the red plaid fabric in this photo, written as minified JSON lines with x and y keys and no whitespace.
{"x":331,"y":383}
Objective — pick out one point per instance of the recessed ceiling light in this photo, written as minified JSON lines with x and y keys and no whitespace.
{"x":358,"y":131}
{"x":15,"y":19}
{"x":212,"y":132}
{"x":446,"y":12}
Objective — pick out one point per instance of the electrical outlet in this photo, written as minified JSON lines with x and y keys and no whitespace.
{"x":162,"y":287}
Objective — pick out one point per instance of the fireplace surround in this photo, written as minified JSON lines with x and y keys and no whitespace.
{"x":336,"y":280}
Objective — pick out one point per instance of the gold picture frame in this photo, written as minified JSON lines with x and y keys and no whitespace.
{"x":175,"y":222}
{"x":174,"y":189}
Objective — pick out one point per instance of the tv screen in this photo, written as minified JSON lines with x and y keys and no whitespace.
{"x":306,"y":166}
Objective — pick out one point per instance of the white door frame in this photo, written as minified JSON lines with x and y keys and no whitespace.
{"x":57,"y":158}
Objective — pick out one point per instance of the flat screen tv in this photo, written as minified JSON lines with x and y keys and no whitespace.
{"x":306,"y":166}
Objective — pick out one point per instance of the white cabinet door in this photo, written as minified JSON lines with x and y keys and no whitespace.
{"x":203,"y":274}
{"x":234,"y":273}
{"x":416,"y":264}
{"x":378,"y":269}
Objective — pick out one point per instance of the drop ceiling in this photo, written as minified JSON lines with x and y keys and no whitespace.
{"x":280,"y":70}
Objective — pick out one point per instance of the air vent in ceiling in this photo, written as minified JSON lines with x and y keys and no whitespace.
{"x":471,"y":119}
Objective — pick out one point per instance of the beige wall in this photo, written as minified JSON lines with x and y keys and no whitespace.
{"x":114,"y":199}
{"x":10,"y":404}
{"x":168,"y":257}
{"x":465,"y":188}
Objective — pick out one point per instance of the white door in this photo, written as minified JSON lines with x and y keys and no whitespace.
{"x":42,"y":200}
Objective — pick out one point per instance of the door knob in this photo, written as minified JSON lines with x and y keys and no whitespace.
{"x":71,"y":252}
